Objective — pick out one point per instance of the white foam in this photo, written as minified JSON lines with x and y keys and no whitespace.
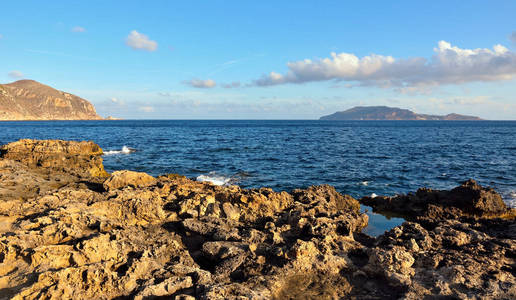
{"x":125,"y":150}
{"x":373,"y":195}
{"x":214,"y":178}
{"x":511,"y":202}
{"x":364,"y":183}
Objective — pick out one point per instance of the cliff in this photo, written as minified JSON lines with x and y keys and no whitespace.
{"x":31,"y":100}
{"x":68,"y":230}
{"x":390,"y":113}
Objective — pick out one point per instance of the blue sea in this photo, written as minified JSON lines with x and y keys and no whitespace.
{"x":357,"y":157}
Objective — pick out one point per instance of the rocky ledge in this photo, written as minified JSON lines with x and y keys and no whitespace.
{"x":69,"y":230}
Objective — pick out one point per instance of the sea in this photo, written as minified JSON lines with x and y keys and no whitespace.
{"x":360,"y":158}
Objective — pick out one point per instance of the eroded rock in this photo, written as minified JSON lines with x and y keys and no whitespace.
{"x":135,"y":236}
{"x":121,"y":179}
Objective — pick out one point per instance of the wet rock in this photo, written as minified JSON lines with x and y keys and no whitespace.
{"x":469,"y":199}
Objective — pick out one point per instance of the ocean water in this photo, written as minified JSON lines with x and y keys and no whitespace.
{"x":357,"y":157}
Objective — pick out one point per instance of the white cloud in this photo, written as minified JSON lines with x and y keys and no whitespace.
{"x":448,"y":65}
{"x":202,"y":84}
{"x":147,"y":109}
{"x":140,"y":41}
{"x":116,"y":101}
{"x":15,"y":74}
{"x":78,"y":29}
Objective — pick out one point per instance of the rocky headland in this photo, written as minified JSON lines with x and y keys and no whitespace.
{"x":70,"y":230}
{"x":31,"y":100}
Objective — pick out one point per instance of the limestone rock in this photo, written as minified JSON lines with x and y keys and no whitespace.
{"x":121,"y":179}
{"x":76,"y":158}
{"x":65,"y":235}
{"x":31,"y":100}
{"x":469,"y":199}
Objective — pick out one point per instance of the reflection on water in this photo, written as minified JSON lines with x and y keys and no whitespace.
{"x":378,"y":223}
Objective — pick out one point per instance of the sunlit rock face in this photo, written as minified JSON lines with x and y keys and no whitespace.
{"x":31,"y":100}
{"x":67,"y":232}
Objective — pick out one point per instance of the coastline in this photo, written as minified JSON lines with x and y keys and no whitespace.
{"x":69,"y":229}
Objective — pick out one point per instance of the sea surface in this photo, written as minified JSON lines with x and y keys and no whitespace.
{"x":357,"y":157}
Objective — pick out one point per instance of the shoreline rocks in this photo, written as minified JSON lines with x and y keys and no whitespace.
{"x":67,"y":232}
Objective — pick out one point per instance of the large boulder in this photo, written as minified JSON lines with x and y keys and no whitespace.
{"x":121,"y":179}
{"x":78,"y":158}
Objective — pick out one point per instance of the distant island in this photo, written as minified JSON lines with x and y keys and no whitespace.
{"x":391,"y":113}
{"x":31,"y":100}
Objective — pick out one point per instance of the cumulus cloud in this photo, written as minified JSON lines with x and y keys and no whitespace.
{"x":15,"y":74}
{"x":78,"y":29}
{"x":448,"y":65}
{"x":201,"y":84}
{"x":140,"y":41}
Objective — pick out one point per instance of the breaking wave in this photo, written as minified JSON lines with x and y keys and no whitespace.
{"x":124,"y":150}
{"x":214,"y":178}
{"x":510,"y":199}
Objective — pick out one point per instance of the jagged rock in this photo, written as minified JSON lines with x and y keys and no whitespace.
{"x":166,"y":288}
{"x":121,"y":179}
{"x":469,"y":199}
{"x":69,"y":236}
{"x":77,"y":158}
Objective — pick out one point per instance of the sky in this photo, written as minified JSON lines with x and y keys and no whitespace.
{"x":266,"y":59}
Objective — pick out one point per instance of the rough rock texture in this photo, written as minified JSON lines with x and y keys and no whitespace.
{"x":29,"y":168}
{"x":459,"y":243}
{"x":31,"y":100}
{"x":121,"y":179}
{"x":469,"y":199}
{"x":134,"y":236}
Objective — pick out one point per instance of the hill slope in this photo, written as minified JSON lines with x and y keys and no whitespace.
{"x":389,"y":113}
{"x":31,"y":100}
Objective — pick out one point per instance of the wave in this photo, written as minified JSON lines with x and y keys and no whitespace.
{"x":124,"y":150}
{"x":510,"y":200}
{"x":215,"y":179}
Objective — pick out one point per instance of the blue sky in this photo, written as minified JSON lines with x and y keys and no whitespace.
{"x":264,"y":59}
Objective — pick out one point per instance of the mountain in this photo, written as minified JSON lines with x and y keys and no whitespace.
{"x":390,"y":113}
{"x":31,"y":100}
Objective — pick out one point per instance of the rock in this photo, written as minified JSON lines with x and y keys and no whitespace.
{"x":31,"y":100}
{"x":121,"y":179}
{"x":166,"y":288}
{"x":469,"y":199}
{"x":77,"y":158}
{"x":230,"y":211}
{"x":67,"y":234}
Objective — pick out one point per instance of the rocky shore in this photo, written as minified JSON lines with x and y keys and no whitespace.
{"x":70,"y":230}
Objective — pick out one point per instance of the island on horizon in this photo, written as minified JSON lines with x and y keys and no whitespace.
{"x":377,"y":113}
